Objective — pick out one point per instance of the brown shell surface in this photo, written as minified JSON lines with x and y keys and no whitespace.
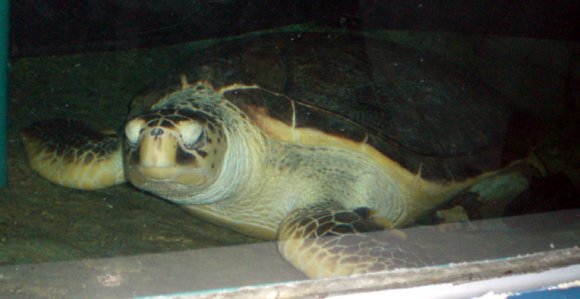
{"x":415,"y":109}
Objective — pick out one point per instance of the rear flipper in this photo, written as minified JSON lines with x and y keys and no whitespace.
{"x":72,"y":154}
{"x":323,"y":242}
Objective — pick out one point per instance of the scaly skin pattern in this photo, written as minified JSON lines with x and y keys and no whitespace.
{"x":324,"y":242}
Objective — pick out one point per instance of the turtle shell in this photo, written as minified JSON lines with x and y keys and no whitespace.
{"x":418,"y":110}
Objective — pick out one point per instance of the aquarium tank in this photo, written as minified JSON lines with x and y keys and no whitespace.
{"x":258,"y":149}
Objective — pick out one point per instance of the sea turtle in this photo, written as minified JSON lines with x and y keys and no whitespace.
{"x":297,"y":137}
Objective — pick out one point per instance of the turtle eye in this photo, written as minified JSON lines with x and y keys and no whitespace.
{"x":133,"y":130}
{"x":192,"y":135}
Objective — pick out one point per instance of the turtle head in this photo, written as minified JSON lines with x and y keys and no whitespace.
{"x":174,"y":153}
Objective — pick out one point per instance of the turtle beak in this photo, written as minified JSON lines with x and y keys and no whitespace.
{"x":157,"y":154}
{"x":157,"y":149}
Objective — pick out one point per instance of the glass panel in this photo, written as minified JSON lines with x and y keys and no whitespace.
{"x":363,"y":146}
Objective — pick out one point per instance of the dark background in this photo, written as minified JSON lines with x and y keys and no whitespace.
{"x":59,"y":27}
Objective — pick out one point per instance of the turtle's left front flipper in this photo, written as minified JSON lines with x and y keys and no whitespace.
{"x":325,"y":242}
{"x":72,"y":154}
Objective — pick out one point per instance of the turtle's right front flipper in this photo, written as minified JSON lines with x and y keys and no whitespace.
{"x":72,"y":154}
{"x":325,"y":241}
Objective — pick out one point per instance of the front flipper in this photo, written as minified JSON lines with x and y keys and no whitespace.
{"x":72,"y":154}
{"x":325,"y":242}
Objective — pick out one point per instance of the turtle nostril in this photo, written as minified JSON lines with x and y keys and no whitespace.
{"x":156,"y":132}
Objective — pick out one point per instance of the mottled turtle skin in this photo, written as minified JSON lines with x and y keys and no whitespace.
{"x":311,"y":139}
